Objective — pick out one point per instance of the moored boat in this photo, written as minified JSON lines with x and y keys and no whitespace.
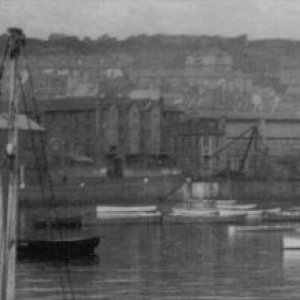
{"x":241,"y":207}
{"x":250,"y":214}
{"x":194,"y":212}
{"x":272,"y":210}
{"x":127,"y":209}
{"x":129,"y":215}
{"x":57,"y":248}
{"x":130,"y":219}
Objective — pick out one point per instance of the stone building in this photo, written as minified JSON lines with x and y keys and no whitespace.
{"x":85,"y":129}
{"x":192,"y":141}
{"x":260,"y":145}
{"x":290,"y":74}
{"x":133,"y":127}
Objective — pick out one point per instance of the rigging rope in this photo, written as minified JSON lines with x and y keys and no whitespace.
{"x":43,"y":160}
{"x":36,"y":155}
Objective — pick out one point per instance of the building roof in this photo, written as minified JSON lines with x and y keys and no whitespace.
{"x":243,"y":116}
{"x":195,"y":127}
{"x":68,"y":104}
{"x":53,"y":105}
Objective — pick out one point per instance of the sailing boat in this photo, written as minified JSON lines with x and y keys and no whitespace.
{"x":54,"y":246}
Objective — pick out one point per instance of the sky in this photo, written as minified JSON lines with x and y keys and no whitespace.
{"x":123,"y":18}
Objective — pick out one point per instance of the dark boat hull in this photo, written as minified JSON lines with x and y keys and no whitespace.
{"x":59,"y":249}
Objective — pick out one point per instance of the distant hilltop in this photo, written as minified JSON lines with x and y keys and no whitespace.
{"x":88,"y":45}
{"x":191,"y":72}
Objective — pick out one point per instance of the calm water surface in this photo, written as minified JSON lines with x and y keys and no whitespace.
{"x":169,"y":262}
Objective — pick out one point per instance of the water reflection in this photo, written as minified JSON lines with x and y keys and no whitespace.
{"x":171,"y":262}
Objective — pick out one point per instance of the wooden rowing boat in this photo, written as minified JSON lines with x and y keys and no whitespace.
{"x":127,"y":209}
{"x":250,"y":214}
{"x":57,"y":248}
{"x":129,"y":218}
{"x":272,"y":210}
{"x":242,"y":207}
{"x":194,"y":212}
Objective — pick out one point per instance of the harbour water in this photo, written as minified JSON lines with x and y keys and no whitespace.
{"x":169,"y":262}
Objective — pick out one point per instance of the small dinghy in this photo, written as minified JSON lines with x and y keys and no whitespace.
{"x":122,"y":209}
{"x":130,"y":218}
{"x":250,"y":214}
{"x":272,"y":210}
{"x":128,"y":215}
{"x":241,"y":207}
{"x":195,"y":212}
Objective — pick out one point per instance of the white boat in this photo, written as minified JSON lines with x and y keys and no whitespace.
{"x":127,"y":215}
{"x":127,"y":209}
{"x":114,"y":215}
{"x":251,"y":214}
{"x":122,"y":218}
{"x":272,"y":210}
{"x":291,"y":242}
{"x":236,"y":206}
{"x":194,"y":212}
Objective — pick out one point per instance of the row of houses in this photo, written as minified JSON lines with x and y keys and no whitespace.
{"x":140,"y":131}
{"x":91,"y":127}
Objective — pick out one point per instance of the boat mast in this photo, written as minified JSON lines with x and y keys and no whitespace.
{"x":2,"y":239}
{"x":16,"y":41}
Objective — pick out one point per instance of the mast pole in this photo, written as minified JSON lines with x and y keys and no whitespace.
{"x":16,"y":42}
{"x":2,"y":239}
